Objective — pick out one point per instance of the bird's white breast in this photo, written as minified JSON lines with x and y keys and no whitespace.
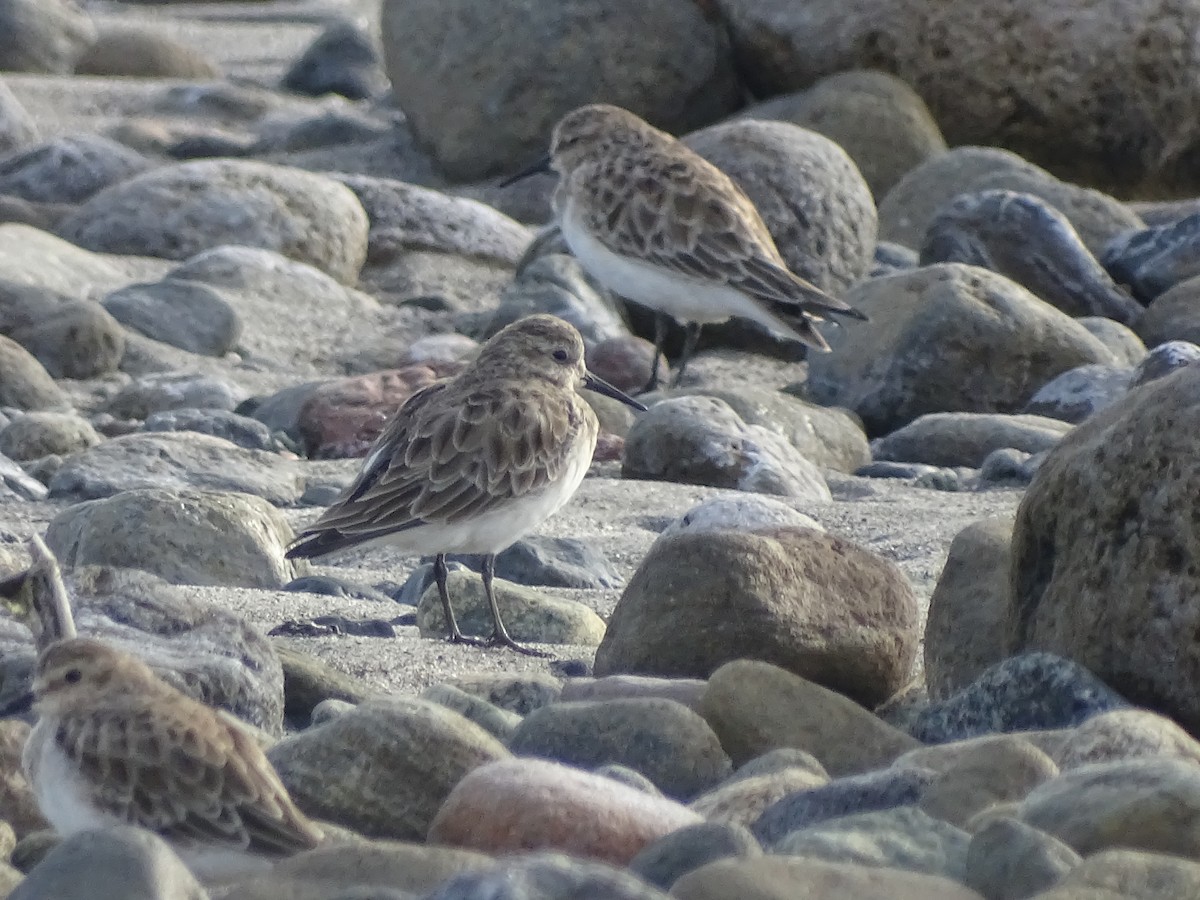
{"x":62,"y":794}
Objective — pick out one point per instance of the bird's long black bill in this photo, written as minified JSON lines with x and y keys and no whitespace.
{"x":542,"y":165}
{"x":21,"y":703}
{"x":600,"y":386}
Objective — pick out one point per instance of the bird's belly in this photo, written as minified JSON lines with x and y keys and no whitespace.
{"x":62,"y":795}
{"x":680,"y":296}
{"x":495,"y":529}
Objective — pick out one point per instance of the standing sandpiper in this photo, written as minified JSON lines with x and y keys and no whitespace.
{"x":473,"y":463}
{"x":116,"y":745}
{"x":656,"y":222}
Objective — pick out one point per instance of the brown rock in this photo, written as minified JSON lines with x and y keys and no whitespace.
{"x":344,"y":417}
{"x":1125,"y":734}
{"x":1132,"y":875}
{"x":141,"y":53}
{"x":964,"y":632}
{"x":742,"y":800}
{"x":528,"y":804}
{"x":1105,"y":555}
{"x":811,"y":603}
{"x":394,"y":864}
{"x":992,"y":771}
{"x":755,"y":707}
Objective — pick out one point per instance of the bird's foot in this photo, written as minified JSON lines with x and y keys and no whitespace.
{"x":503,"y":639}
{"x":457,"y":637}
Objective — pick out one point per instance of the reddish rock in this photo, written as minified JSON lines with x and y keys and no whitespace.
{"x":344,"y":417}
{"x":609,"y":447}
{"x":532,"y":804}
{"x":624,"y":362}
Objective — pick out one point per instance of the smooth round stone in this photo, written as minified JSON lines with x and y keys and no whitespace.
{"x":557,"y":284}
{"x":343,"y":417}
{"x":43,"y":36}
{"x":518,"y":693}
{"x":75,"y":339}
{"x":1153,"y":260}
{"x":41,"y":433}
{"x":1126,"y":734}
{"x":966,"y":439}
{"x":1174,"y":315}
{"x":153,"y":393}
{"x":987,"y":772}
{"x":310,"y":683}
{"x":241,"y":430}
{"x":1009,"y":468}
{"x":1163,"y":360}
{"x":17,"y":127}
{"x":629,"y":777}
{"x":69,"y":169}
{"x":491,"y":718}
{"x":142,"y":53}
{"x":1080,"y":392}
{"x":546,"y":876}
{"x":1124,"y":343}
{"x":530,"y":804}
{"x":741,"y":800}
{"x":184,"y":314}
{"x":669,"y":859}
{"x":1009,"y":860}
{"x":547,"y":561}
{"x":342,"y":60}
{"x":413,"y":868}
{"x":738,"y":512}
{"x":26,"y":385}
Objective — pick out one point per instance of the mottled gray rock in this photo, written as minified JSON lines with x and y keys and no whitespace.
{"x":1164,"y":359}
{"x":668,"y":63}
{"x":1080,"y":392}
{"x":1009,"y":860}
{"x":899,"y":838}
{"x":138,"y":52}
{"x":241,"y":430}
{"x":557,"y":284}
{"x":17,"y":127}
{"x":119,"y":862}
{"x":738,"y":512}
{"x":701,"y":440}
{"x":383,"y":768}
{"x":185,"y":537}
{"x":1022,"y":693}
{"x":1028,"y":240}
{"x":813,"y":604}
{"x":344,"y":59}
{"x":73,"y":339}
{"x":874,"y":791}
{"x":945,"y":338}
{"x":30,"y":256}
{"x":1008,"y":467}
{"x":667,"y":860}
{"x":68,"y":169}
{"x":546,"y":876}
{"x":966,"y":439}
{"x":538,"y":560}
{"x":173,"y":390}
{"x":495,"y":721}
{"x":176,"y":211}
{"x":184,"y":314}
{"x":24,"y":383}
{"x":175,"y":462}
{"x":1124,"y":343}
{"x":521,"y":694}
{"x":687,"y":691}
{"x":661,"y":739}
{"x":1173,"y":315}
{"x":1125,"y":734}
{"x":44,"y":36}
{"x":1153,"y":260}
{"x":41,"y":433}
{"x":810,"y":194}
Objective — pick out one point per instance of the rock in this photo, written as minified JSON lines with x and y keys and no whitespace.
{"x":400,"y":866}
{"x":495,"y":721}
{"x":831,"y":438}
{"x":1126,"y":734}
{"x":19,"y":804}
{"x":406,"y":217}
{"x":810,"y":194}
{"x":1096,"y":534}
{"x":521,"y":694}
{"x":184,"y":314}
{"x":529,"y":615}
{"x":667,"y":860}
{"x":1080,"y":392}
{"x":966,"y":439}
{"x":780,"y":760}
{"x":343,"y":417}
{"x":701,"y":440}
{"x":68,"y":169}
{"x":686,"y":691}
{"x":1129,"y":873}
{"x":875,"y":117}
{"x":178,"y":210}
{"x":1009,"y":860}
{"x":17,"y":127}
{"x":902,"y":838}
{"x":383,"y":768}
{"x":1142,"y":804}
{"x":811,"y":603}
{"x":44,"y":36}
{"x":965,"y":627}
{"x":945,"y":338}
{"x":1173,"y":315}
{"x":669,"y":64}
{"x":991,"y":771}
{"x":176,"y":461}
{"x":875,"y":791}
{"x":546,"y":876}
{"x":230,"y":539}
{"x":623,"y":361}
{"x":141,"y":53}
{"x":1153,"y":260}
{"x":549,"y":562}
{"x":220,"y":423}
{"x":773,"y":877}
{"x":30,"y":256}
{"x":15,"y":482}
{"x":557,"y":284}
{"x":1078,"y":113}
{"x":1121,"y":340}
{"x":173,"y":390}
{"x":663,"y":740}
{"x":1163,"y":360}
{"x":342,"y":60}
{"x":1022,"y":693}
{"x":741,"y":800}
{"x":737,"y":512}
{"x":119,"y":862}
{"x":24,"y":383}
{"x":73,"y":339}
{"x":754,"y":707}
{"x":41,"y":433}
{"x":529,"y":804}
{"x":309,"y":683}
{"x":1029,"y":241}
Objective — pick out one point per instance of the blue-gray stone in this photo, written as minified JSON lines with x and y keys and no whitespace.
{"x":237,"y":429}
{"x":1152,"y":260}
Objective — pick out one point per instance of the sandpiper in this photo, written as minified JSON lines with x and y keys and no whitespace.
{"x":115,"y":744}
{"x":473,"y":463}
{"x":656,"y":222}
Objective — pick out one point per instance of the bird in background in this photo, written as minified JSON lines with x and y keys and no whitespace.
{"x":657,"y":223}
{"x":473,"y":463}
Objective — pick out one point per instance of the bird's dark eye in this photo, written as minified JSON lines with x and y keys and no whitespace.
{"x":560,"y":355}
{"x":73,"y":676}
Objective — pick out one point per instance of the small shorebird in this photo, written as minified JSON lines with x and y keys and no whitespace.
{"x":473,"y":463}
{"x":659,"y":224}
{"x":116,"y":745}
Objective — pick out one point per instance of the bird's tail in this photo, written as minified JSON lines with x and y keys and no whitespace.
{"x":806,"y":306}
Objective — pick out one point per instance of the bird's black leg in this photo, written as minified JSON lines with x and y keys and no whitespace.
{"x":440,"y":572}
{"x":691,"y":335}
{"x":660,"y":337}
{"x":500,"y":634}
